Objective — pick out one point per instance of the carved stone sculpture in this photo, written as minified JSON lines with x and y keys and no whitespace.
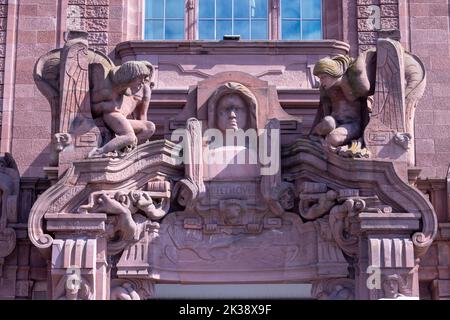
{"x":380,"y":87}
{"x":124,"y":292}
{"x":394,"y":287}
{"x":130,"y":212}
{"x":97,"y":108}
{"x":73,"y":289}
{"x":122,"y":92}
{"x":9,"y":191}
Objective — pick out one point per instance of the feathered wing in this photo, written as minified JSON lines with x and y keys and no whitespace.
{"x":415,"y":87}
{"x":388,"y":107}
{"x":46,"y":76}
{"x":75,"y":99}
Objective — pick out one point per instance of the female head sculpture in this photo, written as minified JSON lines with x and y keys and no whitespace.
{"x":232,"y":107}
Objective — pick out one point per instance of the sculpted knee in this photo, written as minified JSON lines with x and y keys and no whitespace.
{"x":325,"y":126}
{"x":336,"y":138}
{"x":328,"y":124}
{"x":149,"y":129}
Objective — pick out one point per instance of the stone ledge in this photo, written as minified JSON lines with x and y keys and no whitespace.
{"x":274,"y":47}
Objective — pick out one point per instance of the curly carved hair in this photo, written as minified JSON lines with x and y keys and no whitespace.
{"x":131,"y":70}
{"x":335,"y":67}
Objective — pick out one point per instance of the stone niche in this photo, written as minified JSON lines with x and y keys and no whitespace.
{"x":160,"y":211}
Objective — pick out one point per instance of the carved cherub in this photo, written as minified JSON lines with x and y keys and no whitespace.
{"x":344,"y":108}
{"x":124,"y":92}
{"x":384,"y":85}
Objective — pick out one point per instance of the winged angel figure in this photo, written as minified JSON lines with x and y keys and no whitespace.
{"x":383,"y":84}
{"x":86,"y":90}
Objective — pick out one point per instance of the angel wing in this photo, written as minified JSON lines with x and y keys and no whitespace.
{"x":415,"y":87}
{"x":389,"y":98}
{"x":46,"y":76}
{"x":75,"y":99}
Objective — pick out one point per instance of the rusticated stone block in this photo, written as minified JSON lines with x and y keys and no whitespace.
{"x":97,"y":2}
{"x":3,"y":11}
{"x":77,"y":1}
{"x":2,"y":64}
{"x":389,"y":23}
{"x":96,"y":24}
{"x":367,"y":37}
{"x":98,"y":38}
{"x":3,"y":23}
{"x":2,"y":50}
{"x":75,"y":11}
{"x":368,"y":2}
{"x":389,"y":10}
{"x":97,"y":12}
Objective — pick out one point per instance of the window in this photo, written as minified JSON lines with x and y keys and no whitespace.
{"x":247,"y":18}
{"x":251,"y":19}
{"x":301,"y":19}
{"x":164,"y":19}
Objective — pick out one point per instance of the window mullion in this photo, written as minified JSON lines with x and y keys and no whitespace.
{"x":249,"y":20}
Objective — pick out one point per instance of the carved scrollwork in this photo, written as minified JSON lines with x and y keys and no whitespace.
{"x":340,"y":220}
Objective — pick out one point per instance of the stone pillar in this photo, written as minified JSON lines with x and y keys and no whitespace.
{"x":387,"y":267}
{"x":79,"y":268}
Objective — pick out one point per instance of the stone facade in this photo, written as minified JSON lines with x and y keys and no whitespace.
{"x":185,"y":75}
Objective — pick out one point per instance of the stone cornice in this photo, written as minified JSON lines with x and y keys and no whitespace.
{"x":185,"y":47}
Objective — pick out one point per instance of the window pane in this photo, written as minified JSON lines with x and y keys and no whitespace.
{"x":312,"y":30}
{"x":290,"y":30}
{"x":241,"y":8}
{"x":311,"y":9}
{"x":206,"y":30}
{"x":206,"y":8}
{"x":174,"y":8}
{"x":259,"y":29}
{"x":223,"y":27}
{"x":223,"y":9}
{"x":259,"y":8}
{"x":154,"y":29}
{"x":242,"y":27}
{"x":290,"y":9}
{"x":174,"y":29}
{"x":154,"y":9}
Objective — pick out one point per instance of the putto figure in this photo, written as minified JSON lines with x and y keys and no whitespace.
{"x":97,"y":107}
{"x":344,"y":89}
{"x":125,"y":92}
{"x":368,"y":103}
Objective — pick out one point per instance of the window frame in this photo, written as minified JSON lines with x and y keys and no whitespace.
{"x":164,"y":19}
{"x":300,"y":19}
{"x":232,"y":19}
{"x":331,"y":16}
